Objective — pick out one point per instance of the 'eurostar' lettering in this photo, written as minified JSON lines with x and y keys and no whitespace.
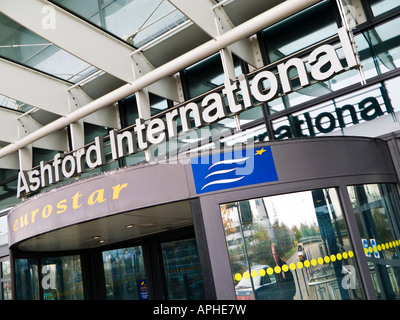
{"x":64,"y":206}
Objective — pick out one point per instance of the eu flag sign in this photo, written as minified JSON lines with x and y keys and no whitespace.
{"x":233,"y":169}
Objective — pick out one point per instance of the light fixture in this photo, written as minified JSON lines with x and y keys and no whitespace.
{"x":96,"y":237}
{"x":101,"y":241}
{"x":128,"y":226}
{"x":149,"y":224}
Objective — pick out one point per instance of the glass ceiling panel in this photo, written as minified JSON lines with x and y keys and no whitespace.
{"x":22,"y":46}
{"x":135,"y":21}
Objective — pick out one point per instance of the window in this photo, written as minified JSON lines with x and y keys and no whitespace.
{"x":62,"y":278}
{"x":292,"y":246}
{"x":182,"y":270}
{"x":52,"y":278}
{"x":380,"y":7}
{"x":125,"y":275}
{"x":5,"y":279}
{"x":207,"y":75}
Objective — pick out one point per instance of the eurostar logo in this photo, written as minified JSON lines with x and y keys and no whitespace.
{"x":233,"y":169}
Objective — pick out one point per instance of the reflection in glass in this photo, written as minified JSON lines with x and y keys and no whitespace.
{"x":340,"y":116}
{"x":292,"y":246}
{"x":5,"y":280}
{"x":376,"y":207}
{"x":26,"y":279}
{"x":182,"y":270}
{"x":62,"y":278}
{"x":125,"y":275}
{"x":207,"y":75}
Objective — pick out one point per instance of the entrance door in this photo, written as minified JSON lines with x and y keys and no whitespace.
{"x":182,"y":273}
{"x":158,"y":268}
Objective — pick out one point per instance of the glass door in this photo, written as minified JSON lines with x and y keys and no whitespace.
{"x":182,"y":271}
{"x":125,"y":275}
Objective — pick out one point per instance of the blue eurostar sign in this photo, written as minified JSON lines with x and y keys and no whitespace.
{"x":236,"y":168}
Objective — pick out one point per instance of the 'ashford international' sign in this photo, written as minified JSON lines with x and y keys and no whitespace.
{"x":323,"y":63}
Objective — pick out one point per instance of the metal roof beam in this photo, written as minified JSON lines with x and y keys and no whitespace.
{"x":214,"y":21}
{"x":14,"y":127}
{"x":50,"y":94}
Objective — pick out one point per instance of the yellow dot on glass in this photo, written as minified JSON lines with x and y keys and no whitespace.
{"x":285,"y":267}
{"x":351,"y":254}
{"x":387,"y":245}
{"x":306,"y":263}
{"x":345,"y":255}
{"x":320,"y":260}
{"x":326,"y":259}
{"x":299,"y":265}
{"x":246,"y":275}
{"x":262,"y":272}
{"x":333,"y":258}
{"x":366,"y":250}
{"x":270,"y":271}
{"x":238,"y":276}
{"x":383,"y":246}
{"x":313,"y":262}
{"x":277,"y":269}
{"x":370,"y":249}
{"x":254,"y":274}
{"x":379,"y":247}
{"x":339,"y":256}
{"x":292,"y":266}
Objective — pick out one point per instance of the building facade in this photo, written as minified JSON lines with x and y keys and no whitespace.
{"x":221,"y":150}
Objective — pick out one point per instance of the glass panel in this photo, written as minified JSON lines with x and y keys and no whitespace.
{"x":292,"y":246}
{"x":140,"y":21}
{"x":129,"y":110}
{"x":377,"y":210}
{"x":26,"y":279}
{"x":125,"y":275}
{"x":182,"y":270}
{"x":157,"y":104}
{"x":7,"y":195}
{"x":296,"y":33}
{"x":5,"y":269}
{"x":381,"y":6}
{"x":204,"y":76}
{"x":208,"y":74}
{"x":62,"y":278}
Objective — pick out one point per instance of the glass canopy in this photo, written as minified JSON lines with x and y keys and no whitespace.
{"x":135,"y":21}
